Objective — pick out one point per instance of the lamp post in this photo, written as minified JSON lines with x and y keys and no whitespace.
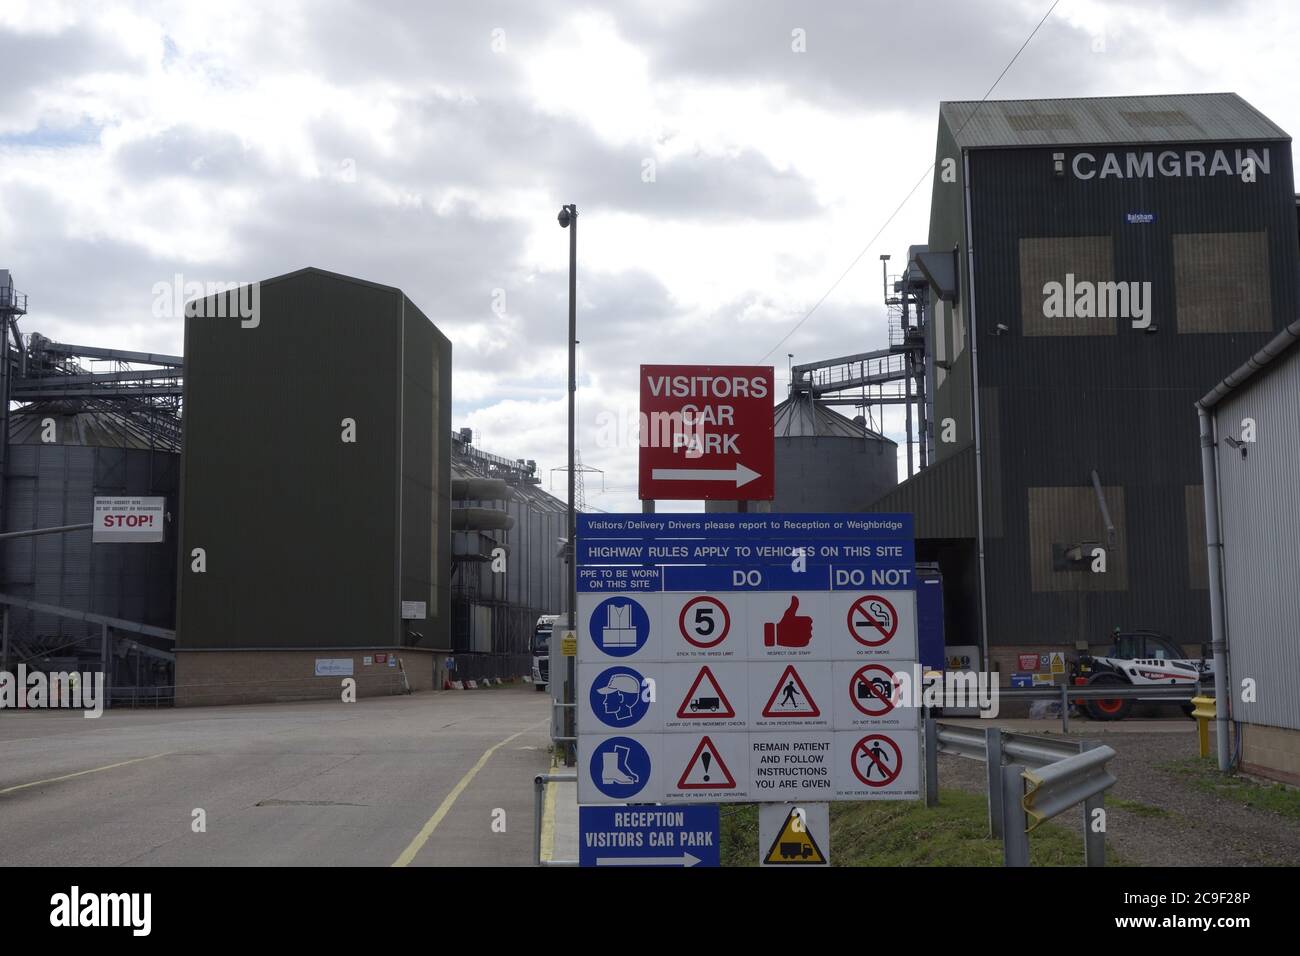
{"x":568,"y":219}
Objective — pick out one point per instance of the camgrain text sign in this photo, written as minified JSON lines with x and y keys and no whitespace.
{"x":706,"y":432}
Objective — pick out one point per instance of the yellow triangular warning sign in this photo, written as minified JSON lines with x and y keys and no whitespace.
{"x":794,"y":844}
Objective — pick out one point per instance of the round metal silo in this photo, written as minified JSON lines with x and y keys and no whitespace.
{"x":53,"y":483}
{"x":827,"y":462}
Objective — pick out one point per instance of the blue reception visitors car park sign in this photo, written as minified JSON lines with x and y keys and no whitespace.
{"x":745,"y":658}
{"x":649,"y":836}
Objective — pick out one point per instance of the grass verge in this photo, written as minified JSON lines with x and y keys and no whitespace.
{"x":906,"y":833}
{"x":1203,"y":774}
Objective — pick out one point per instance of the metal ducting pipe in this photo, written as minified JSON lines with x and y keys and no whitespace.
{"x":481,"y":519}
{"x":1214,"y":555}
{"x":479,"y":489}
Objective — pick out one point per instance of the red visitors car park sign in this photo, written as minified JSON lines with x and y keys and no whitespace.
{"x":706,"y":432}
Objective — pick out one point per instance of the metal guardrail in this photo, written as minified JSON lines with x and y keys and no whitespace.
{"x":1060,"y":774}
{"x":539,"y":794}
{"x":1070,"y":694}
{"x":1102,"y":692}
{"x":561,"y":706}
{"x":1055,"y":788}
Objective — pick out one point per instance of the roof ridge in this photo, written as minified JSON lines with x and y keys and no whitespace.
{"x":1085,"y":99}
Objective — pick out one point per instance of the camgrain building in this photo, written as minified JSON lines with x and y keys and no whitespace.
{"x":1091,"y":264}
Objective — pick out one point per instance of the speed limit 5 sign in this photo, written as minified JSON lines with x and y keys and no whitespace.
{"x":704,"y":626}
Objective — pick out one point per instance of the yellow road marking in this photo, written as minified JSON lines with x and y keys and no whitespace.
{"x":548,"y":823}
{"x":444,"y":808}
{"x":81,"y":773}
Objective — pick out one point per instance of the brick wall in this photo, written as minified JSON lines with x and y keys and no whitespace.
{"x":1272,"y":752}
{"x":246,"y":677}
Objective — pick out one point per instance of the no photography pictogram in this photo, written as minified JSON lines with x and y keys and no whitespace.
{"x":873,"y":689}
{"x":872,"y":620}
{"x":877,"y":760}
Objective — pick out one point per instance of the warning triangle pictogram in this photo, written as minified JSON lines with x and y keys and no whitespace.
{"x":795,"y":699}
{"x":706,"y":770}
{"x":710,"y":703}
{"x":794,"y":844}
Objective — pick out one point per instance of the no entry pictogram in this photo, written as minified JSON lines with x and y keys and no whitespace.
{"x":877,"y":760}
{"x":872,"y":620}
{"x":874,"y":690}
{"x":704,"y":621}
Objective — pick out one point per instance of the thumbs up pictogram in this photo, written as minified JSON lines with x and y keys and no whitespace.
{"x":793,"y":630}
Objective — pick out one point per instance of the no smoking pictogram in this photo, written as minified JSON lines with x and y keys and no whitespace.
{"x":704,"y":621}
{"x":872,"y":620}
{"x":877,"y":760}
{"x":873,"y":690}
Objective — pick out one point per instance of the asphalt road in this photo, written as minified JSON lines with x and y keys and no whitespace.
{"x":406,"y":780}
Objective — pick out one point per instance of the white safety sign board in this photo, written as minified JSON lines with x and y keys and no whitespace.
{"x":746,"y":658}
{"x":129,"y":520}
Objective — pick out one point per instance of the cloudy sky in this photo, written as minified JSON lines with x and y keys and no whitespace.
{"x":729,"y":159}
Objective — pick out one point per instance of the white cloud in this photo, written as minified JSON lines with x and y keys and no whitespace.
{"x":242,"y":140}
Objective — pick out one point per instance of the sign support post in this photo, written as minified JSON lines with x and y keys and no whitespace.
{"x":568,"y":219}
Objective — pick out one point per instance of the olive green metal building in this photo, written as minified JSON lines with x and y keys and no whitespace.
{"x":315,"y":493}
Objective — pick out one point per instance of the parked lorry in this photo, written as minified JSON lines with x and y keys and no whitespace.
{"x":541,"y":649}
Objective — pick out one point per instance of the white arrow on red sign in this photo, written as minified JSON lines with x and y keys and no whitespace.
{"x":740,"y":474}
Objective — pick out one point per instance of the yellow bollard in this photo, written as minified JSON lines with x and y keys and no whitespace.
{"x":1204,"y":711}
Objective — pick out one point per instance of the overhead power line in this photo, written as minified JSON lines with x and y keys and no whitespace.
{"x":899,"y":208}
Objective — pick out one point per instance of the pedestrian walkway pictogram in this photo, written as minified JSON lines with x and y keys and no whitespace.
{"x":790,"y":697}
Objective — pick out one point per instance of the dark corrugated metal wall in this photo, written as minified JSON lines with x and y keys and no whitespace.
{"x":952,"y":396}
{"x":1120,"y":402}
{"x":426,"y":473}
{"x":531,"y":585}
{"x":52,"y":485}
